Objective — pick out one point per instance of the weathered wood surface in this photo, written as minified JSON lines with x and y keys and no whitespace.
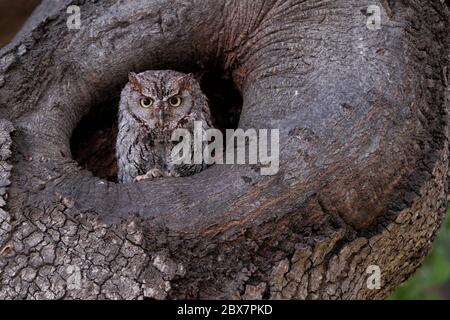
{"x":364,"y":155}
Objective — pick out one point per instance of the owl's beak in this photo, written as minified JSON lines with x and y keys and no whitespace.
{"x":161,"y":117}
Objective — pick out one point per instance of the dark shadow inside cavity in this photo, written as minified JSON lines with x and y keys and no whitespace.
{"x":93,"y":141}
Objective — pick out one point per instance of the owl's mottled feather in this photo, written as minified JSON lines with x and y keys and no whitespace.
{"x":144,"y":140}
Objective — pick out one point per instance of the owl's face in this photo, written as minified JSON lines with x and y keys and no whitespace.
{"x":161,"y":99}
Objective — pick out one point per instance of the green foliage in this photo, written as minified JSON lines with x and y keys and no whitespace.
{"x":432,"y":281}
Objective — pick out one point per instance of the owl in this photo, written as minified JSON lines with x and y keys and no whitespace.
{"x":152,"y":105}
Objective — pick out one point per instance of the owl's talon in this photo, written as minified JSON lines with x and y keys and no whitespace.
{"x":154,"y":173}
{"x":139,"y":178}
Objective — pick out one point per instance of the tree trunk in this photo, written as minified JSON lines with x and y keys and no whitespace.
{"x":363,"y":130}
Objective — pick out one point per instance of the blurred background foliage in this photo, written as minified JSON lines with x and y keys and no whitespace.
{"x":432,"y":280}
{"x":12,"y":16}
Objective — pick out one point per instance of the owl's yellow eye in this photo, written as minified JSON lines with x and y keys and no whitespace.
{"x":175,"y":101}
{"x":146,"y":102}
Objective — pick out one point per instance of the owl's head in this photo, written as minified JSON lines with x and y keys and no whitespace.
{"x":161,"y":99}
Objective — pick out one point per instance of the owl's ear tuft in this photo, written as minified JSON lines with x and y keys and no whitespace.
{"x":135,"y":82}
{"x":186,"y":82}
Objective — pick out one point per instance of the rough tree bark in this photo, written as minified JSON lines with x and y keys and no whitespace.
{"x":363,"y":123}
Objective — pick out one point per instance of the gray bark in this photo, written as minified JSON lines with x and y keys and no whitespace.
{"x":364,"y":156}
